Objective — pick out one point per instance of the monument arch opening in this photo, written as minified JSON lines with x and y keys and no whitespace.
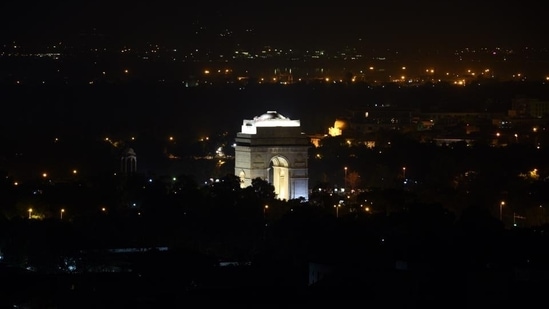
{"x":278,"y":176}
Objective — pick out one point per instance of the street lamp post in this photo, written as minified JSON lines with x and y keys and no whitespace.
{"x":30,"y":213}
{"x":500,"y":209}
{"x":62,"y":211}
{"x":337,"y":210}
{"x":265,"y":225}
{"x":404,"y":172}
{"x":345,"y":178}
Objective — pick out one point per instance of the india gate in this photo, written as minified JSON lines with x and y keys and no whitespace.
{"x":273,"y":148}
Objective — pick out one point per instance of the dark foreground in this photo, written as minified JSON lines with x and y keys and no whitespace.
{"x":271,"y":288}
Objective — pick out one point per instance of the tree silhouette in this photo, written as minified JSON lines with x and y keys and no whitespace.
{"x":263,"y":189}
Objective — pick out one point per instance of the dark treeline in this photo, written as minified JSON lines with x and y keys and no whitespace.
{"x":415,"y":248}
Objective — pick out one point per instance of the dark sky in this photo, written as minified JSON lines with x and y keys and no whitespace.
{"x":378,"y":23}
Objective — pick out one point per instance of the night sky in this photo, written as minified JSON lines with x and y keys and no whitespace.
{"x":420,"y":24}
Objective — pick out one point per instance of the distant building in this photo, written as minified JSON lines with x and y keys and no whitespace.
{"x":273,"y":148}
{"x":372,"y":120}
{"x":529,"y":108}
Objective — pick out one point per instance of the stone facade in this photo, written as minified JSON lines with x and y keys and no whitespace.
{"x":273,"y":148}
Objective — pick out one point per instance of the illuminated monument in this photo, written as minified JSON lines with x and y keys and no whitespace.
{"x":273,"y":148}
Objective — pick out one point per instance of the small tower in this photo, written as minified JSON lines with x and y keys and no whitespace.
{"x":128,"y":161}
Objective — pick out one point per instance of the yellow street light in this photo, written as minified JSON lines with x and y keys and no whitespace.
{"x":500,"y":209}
{"x":30,"y":213}
{"x":337,"y":210}
{"x":62,"y":211}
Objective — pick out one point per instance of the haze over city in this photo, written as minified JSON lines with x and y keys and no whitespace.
{"x":383,"y":24}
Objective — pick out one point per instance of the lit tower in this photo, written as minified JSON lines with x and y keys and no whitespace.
{"x":128,"y":161}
